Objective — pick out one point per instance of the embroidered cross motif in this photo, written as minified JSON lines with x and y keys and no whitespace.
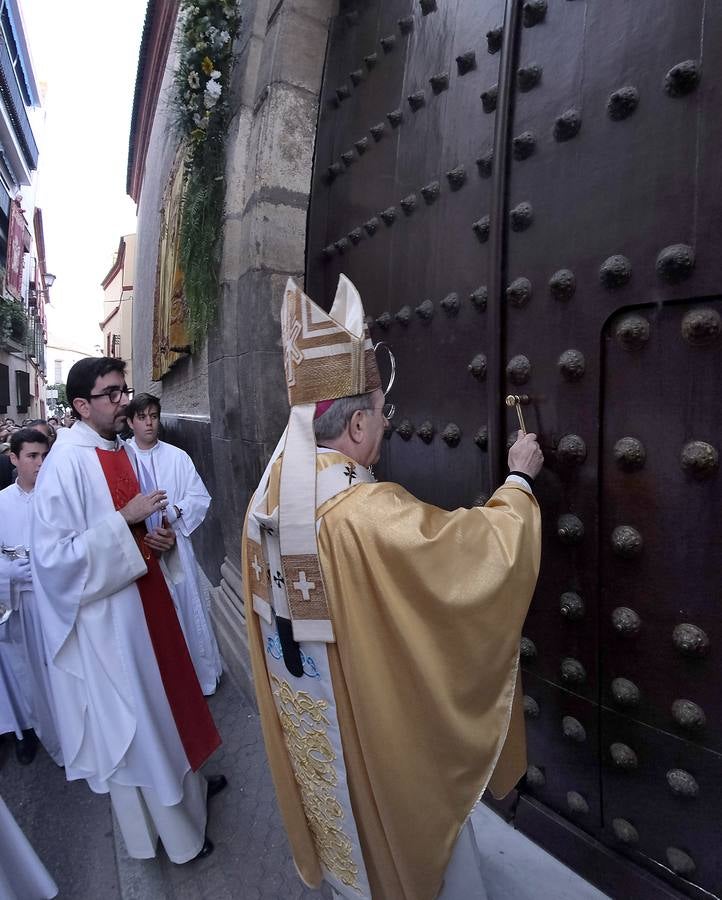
{"x":293,"y":355}
{"x":278,"y":578}
{"x":266,"y":529}
{"x":350,"y":472}
{"x":256,"y":567}
{"x":305,"y":587}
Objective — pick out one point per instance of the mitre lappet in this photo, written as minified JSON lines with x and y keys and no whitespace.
{"x":326,"y":356}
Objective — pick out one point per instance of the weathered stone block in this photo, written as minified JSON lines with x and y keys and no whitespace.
{"x":277,"y":237}
{"x":237,"y":152}
{"x":262,"y":378}
{"x":284,"y":132}
{"x":294,"y":51}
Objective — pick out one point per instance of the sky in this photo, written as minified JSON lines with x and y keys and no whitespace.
{"x":86,"y":52}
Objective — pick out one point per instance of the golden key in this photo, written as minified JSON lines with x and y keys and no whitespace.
{"x":517,"y":400}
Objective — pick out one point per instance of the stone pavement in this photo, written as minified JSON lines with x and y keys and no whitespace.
{"x":69,"y":826}
{"x":72,"y":830}
{"x":251,"y":859}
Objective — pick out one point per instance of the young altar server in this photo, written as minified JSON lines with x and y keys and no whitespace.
{"x":161,"y":465}
{"x":384,"y":632}
{"x":132,"y":717}
{"x":22,"y":645}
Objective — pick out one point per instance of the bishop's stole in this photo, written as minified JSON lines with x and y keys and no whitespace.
{"x":427,"y":608}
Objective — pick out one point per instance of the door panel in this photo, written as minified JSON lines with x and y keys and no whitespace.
{"x":608,"y":173}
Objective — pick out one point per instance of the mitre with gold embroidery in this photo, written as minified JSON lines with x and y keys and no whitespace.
{"x":326,"y":356}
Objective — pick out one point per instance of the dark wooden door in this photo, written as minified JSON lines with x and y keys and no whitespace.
{"x":528,"y":197}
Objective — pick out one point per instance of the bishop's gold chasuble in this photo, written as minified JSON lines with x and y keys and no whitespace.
{"x":384,"y":636}
{"x":427,"y":609}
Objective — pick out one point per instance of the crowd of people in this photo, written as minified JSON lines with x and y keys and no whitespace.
{"x":86,"y":518}
{"x":51,"y":425}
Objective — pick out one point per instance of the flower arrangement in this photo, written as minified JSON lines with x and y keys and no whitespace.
{"x":207,"y":29}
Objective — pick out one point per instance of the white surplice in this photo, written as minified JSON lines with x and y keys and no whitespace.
{"x":115,"y":722}
{"x":15,"y":716}
{"x":22,"y":873}
{"x":170,"y":469}
{"x":22,"y":639}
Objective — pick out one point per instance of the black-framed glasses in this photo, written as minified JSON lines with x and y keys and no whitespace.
{"x":113,"y":394}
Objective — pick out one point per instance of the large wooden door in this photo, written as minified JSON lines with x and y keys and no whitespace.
{"x":528,"y":196}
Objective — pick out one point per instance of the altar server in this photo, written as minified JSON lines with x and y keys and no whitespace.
{"x":161,"y":465}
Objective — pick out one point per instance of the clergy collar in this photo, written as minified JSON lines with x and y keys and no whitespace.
{"x":83,"y":435}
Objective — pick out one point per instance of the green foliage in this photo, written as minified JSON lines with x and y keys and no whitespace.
{"x":13,"y":322}
{"x":62,"y":395}
{"x":201,"y":112}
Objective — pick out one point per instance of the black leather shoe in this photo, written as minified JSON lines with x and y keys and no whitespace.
{"x":205,"y":850}
{"x":26,"y":749}
{"x":216,"y":783}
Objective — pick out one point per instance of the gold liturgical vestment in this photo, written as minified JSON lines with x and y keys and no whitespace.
{"x":427,"y":609}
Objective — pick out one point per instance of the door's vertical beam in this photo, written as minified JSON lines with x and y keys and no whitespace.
{"x":497,"y":238}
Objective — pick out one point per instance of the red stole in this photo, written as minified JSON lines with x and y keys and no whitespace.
{"x":193,"y":719}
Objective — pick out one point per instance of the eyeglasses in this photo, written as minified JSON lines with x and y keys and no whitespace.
{"x":387,"y":410}
{"x":113,"y":394}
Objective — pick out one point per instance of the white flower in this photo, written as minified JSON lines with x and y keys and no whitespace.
{"x":199,"y":121}
{"x":224,"y":37}
{"x":194,"y":81}
{"x":213,"y":89}
{"x":215,"y":75}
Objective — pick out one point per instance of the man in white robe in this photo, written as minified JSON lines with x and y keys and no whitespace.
{"x":23,"y":648}
{"x":162,"y":466}
{"x":132,"y":719}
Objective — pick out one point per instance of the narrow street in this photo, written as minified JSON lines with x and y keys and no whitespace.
{"x":72,"y":830}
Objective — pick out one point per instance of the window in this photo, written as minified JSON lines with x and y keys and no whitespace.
{"x":115,"y":348}
{"x":4,"y":388}
{"x":58,"y":371}
{"x":22,"y":384}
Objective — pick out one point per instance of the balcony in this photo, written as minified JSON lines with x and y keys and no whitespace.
{"x":15,"y":105}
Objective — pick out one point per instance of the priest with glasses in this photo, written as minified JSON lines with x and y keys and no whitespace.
{"x":132,"y":717}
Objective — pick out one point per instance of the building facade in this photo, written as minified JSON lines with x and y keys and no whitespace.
{"x":117,"y":324}
{"x":24,"y":280}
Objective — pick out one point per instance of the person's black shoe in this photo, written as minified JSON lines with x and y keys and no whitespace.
{"x":26,"y":749}
{"x":216,"y":783}
{"x":205,"y":850}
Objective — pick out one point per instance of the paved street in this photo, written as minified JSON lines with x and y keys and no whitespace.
{"x":72,"y":830}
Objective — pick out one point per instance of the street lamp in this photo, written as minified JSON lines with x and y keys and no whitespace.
{"x":49,"y":279}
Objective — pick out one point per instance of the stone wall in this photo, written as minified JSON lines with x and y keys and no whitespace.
{"x":227,"y":405}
